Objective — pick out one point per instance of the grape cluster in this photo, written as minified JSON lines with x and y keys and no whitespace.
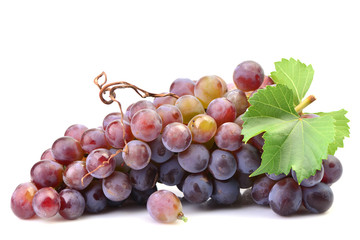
{"x":193,"y":142}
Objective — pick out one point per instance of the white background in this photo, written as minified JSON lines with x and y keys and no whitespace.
{"x":50,"y":52}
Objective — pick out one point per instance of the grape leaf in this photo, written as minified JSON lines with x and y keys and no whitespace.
{"x":295,"y":75}
{"x":342,"y":129}
{"x":290,"y":141}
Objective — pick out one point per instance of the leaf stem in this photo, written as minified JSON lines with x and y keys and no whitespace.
{"x":304,"y":103}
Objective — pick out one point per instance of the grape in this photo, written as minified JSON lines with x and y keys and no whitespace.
{"x":145,"y":178}
{"x":146,"y":125}
{"x":244,"y":179}
{"x":137,"y":155}
{"x":261,"y":189}
{"x":248,"y":76}
{"x":209,"y":88}
{"x":285,"y":197}
{"x":318,"y":198}
{"x":222,"y":164}
{"x":95,"y":200}
{"x":226,"y":192}
{"x":75,"y":131}
{"x":92,"y":139}
{"x":46,"y":173}
{"x":159,"y":101}
{"x":182,"y":86}
{"x":197,"y":188}
{"x":239,"y":121}
{"x":46,"y":202}
{"x":114,"y":133}
{"x":74,"y":173}
{"x":159,"y":153}
{"x":228,"y":136}
{"x":176,"y":137}
{"x":189,"y":107}
{"x":67,"y":150}
{"x":120,"y":163}
{"x":111,"y":117}
{"x":248,"y":158}
{"x":47,"y":155}
{"x":239,"y":99}
{"x":141,"y":197}
{"x":222,"y":110}
{"x":169,"y":114}
{"x":164,"y":206}
{"x":72,"y":204}
{"x":21,"y":200}
{"x":275,"y":177}
{"x":258,"y":142}
{"x":332,"y":170}
{"x":99,"y":164}
{"x":267,"y":81}
{"x":203,"y":128}
{"x":312,"y":180}
{"x":117,"y":187}
{"x":140,"y":105}
{"x":170,"y":172}
{"x":194,"y":159}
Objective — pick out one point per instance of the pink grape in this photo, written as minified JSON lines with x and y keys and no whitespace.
{"x":176,"y":137}
{"x":146,"y":125}
{"x":164,"y":206}
{"x":21,"y":200}
{"x":46,"y":202}
{"x":137,"y":154}
{"x":66,"y":150}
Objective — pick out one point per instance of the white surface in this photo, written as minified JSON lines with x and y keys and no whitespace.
{"x":50,"y":53}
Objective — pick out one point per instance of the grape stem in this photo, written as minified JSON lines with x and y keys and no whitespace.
{"x":304,"y":103}
{"x":182,"y":217}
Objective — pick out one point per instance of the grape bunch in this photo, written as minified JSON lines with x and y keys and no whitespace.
{"x":191,"y":139}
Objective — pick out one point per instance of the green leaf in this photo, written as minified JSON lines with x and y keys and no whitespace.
{"x":342,"y":129}
{"x":290,"y":141}
{"x":295,"y":75}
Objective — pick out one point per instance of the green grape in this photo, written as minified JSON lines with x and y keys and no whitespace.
{"x":209,"y":88}
{"x":189,"y":107}
{"x":202,"y":127}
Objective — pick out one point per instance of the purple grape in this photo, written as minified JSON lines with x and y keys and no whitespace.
{"x":248,"y":158}
{"x":72,"y":204}
{"x":318,"y":198}
{"x":47,"y":155}
{"x":170,"y":172}
{"x":95,"y":200}
{"x":194,"y":159}
{"x":169,"y":114}
{"x":239,"y":99}
{"x":114,"y":133}
{"x":226,"y":192}
{"x":222,"y":164}
{"x":141,"y":197}
{"x":111,"y":117}
{"x":197,"y":188}
{"x":312,"y":180}
{"x":261,"y":189}
{"x":285,"y":197}
{"x":332,"y":170}
{"x":144,"y":178}
{"x":159,"y":153}
{"x":140,"y":105}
